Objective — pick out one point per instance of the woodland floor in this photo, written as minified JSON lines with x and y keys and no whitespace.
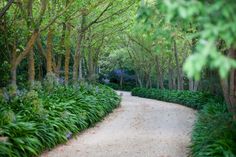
{"x":139,"y":128}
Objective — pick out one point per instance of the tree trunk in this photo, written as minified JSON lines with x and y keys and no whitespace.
{"x":81,"y":63}
{"x":193,"y":85}
{"x":160,"y":83}
{"x":13,"y":67}
{"x":90,"y":65}
{"x":174,"y":80}
{"x":31,"y":68}
{"x":77,"y":57}
{"x":121,"y":79}
{"x":150,"y":81}
{"x":229,"y":87}
{"x":28,"y":48}
{"x":177,"y":67}
{"x":49,"y":51}
{"x":232,"y":84}
{"x":62,"y":46}
{"x":181,"y":80}
{"x":170,"y":76}
{"x":17,"y":60}
{"x":67,"y":56}
{"x":58,"y":66}
{"x":146,"y":78}
{"x":139,"y":81}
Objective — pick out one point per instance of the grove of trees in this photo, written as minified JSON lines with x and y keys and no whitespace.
{"x":184,"y":45}
{"x":57,"y":38}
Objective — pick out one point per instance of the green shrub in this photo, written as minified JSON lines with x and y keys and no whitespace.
{"x":214,"y":133}
{"x":40,"y":120}
{"x":125,"y":87}
{"x":194,"y":100}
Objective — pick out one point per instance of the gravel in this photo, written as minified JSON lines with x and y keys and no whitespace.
{"x":139,"y":128}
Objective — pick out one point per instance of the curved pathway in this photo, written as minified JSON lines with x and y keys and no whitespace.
{"x":139,"y":128}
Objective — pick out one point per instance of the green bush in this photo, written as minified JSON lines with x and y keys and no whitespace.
{"x":40,"y":120}
{"x":214,"y":133}
{"x":125,"y":87}
{"x":194,"y":100}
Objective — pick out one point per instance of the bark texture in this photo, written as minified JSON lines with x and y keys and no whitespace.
{"x":49,"y":51}
{"x":77,"y":57}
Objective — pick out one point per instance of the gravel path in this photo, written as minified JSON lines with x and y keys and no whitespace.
{"x":139,"y":128}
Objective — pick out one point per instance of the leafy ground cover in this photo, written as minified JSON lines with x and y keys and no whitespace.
{"x":214,"y":132}
{"x":37,"y":120}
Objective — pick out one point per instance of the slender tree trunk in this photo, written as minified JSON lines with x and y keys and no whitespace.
{"x":181,"y":80}
{"x":170,"y":73}
{"x":77,"y":60}
{"x":58,"y":66}
{"x":77,"y":57}
{"x":150,"y":81}
{"x":13,"y":67}
{"x":62,"y":46}
{"x":49,"y":51}
{"x":170,"y":76}
{"x":196,"y":84}
{"x":160,"y":83}
{"x":85,"y":65}
{"x":174,"y":80}
{"x":193,"y":85}
{"x":5,"y":8}
{"x":147,"y":75}
{"x":139,"y":80}
{"x":81,"y":63}
{"x":158,"y":72}
{"x":121,"y":79}
{"x":177,"y":66}
{"x":67,"y":56}
{"x":90,"y":65}
{"x":31,"y":68}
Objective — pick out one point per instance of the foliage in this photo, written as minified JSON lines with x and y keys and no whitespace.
{"x":4,"y":73}
{"x":40,"y":120}
{"x":214,"y":132}
{"x":196,"y":100}
{"x":125,"y":87}
{"x":215,"y":22}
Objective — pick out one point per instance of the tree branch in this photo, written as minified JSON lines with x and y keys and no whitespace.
{"x":4,"y":9}
{"x":101,"y":14}
{"x":56,"y":17}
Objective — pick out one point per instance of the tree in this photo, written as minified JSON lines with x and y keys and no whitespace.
{"x":216,"y":44}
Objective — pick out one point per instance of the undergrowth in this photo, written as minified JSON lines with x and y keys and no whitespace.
{"x":38,"y":120}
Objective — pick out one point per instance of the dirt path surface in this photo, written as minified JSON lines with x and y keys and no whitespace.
{"x":139,"y":128}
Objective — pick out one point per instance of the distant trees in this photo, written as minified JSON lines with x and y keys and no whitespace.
{"x":200,"y":32}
